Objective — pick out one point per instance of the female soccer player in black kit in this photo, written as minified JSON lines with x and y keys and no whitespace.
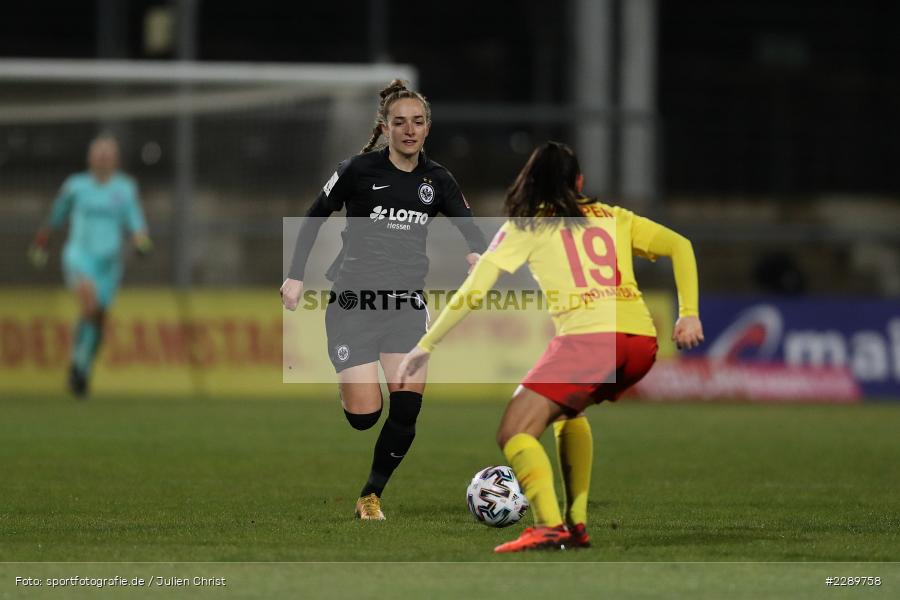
{"x":390,"y":194}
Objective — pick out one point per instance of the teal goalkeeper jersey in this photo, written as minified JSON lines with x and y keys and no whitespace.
{"x":100,"y":213}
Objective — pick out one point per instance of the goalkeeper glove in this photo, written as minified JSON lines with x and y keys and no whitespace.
{"x":143,"y":244}
{"x":37,"y":252}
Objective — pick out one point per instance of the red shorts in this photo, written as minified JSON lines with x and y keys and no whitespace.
{"x":583,"y":369}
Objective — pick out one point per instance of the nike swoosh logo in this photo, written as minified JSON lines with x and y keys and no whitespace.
{"x":379,"y":187}
{"x":397,"y":455}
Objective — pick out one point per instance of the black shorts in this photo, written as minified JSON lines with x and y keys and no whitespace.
{"x":358,"y":334}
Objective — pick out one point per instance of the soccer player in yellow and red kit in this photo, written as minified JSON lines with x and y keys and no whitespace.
{"x":580,"y":252}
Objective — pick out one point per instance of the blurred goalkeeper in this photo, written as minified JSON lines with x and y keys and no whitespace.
{"x":580,"y":251}
{"x":101,"y":204}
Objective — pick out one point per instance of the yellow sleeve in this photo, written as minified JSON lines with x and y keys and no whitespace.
{"x":468,"y":296}
{"x":510,"y":248}
{"x":651,"y":239}
{"x":643,"y":231}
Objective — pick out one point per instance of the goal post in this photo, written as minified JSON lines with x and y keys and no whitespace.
{"x":324,"y":75}
{"x":221,"y":151}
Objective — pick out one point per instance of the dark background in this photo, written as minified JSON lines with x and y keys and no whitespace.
{"x":759,"y":97}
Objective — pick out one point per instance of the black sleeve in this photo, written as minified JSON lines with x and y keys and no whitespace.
{"x":339,"y":187}
{"x":456,"y":207}
{"x":331,"y":199}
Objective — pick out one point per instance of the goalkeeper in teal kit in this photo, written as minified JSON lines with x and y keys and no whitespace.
{"x":102,"y":207}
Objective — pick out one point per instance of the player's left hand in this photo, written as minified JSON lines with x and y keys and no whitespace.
{"x":143,"y":244}
{"x":688,"y":333}
{"x":414,"y":360}
{"x":472,"y":259}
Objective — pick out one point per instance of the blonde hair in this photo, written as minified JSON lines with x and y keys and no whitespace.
{"x":395,"y":90}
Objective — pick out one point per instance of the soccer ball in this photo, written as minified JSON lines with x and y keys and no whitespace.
{"x":495,"y":498}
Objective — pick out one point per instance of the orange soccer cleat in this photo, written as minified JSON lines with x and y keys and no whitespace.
{"x":538,"y":538}
{"x":578,"y":537}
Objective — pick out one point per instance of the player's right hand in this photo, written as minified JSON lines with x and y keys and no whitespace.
{"x":472,"y":259}
{"x":291,"y":290}
{"x":414,"y":360}
{"x":37,"y":256}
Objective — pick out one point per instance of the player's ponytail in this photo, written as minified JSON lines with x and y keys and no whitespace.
{"x":394,"y":91}
{"x":545,"y":190}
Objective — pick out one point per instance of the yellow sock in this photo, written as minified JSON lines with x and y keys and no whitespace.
{"x":575,"y":448}
{"x":527,"y":458}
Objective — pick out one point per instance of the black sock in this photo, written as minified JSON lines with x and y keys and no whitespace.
{"x":394,"y":441}
{"x":364,"y":421}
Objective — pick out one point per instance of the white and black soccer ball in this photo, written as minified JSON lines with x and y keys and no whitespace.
{"x":495,"y":498}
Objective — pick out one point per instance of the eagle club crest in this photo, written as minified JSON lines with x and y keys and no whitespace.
{"x":426,"y":193}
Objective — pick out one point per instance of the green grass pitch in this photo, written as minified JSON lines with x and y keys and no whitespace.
{"x":262,"y":480}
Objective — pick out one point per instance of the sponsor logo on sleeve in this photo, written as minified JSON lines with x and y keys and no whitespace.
{"x":330,"y":184}
{"x":496,"y":241}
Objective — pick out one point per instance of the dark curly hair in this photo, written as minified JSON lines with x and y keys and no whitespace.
{"x":545,"y":191}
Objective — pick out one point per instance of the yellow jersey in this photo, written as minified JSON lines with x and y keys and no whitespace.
{"x":586,"y":272}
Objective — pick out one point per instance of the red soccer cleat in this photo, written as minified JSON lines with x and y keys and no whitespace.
{"x":537,"y":538}
{"x":578,"y":537}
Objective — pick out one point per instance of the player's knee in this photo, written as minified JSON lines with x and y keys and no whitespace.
{"x":98,"y":317}
{"x":86,"y":301}
{"x":508,"y":429}
{"x":510,"y":424}
{"x":503,"y":435}
{"x":89,"y":305}
{"x":364,"y":421}
{"x":405,"y":408}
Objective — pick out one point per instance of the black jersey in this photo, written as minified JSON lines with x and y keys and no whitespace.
{"x":389,"y":210}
